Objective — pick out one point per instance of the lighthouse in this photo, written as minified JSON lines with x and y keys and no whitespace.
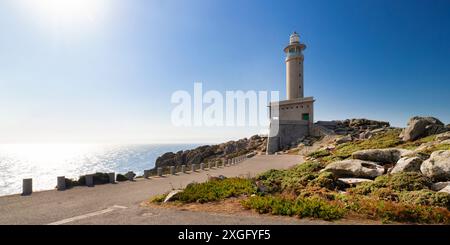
{"x":294,"y":67}
{"x":293,"y":118}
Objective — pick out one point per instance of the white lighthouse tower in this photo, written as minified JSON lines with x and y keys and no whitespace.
{"x":293,"y":118}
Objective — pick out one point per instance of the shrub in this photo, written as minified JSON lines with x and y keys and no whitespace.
{"x":404,"y":181}
{"x":426,"y":197}
{"x":216,"y":190}
{"x":272,"y":179}
{"x":158,"y":199}
{"x":99,"y":179}
{"x":121,"y":178}
{"x":319,"y":154}
{"x":388,"y":211}
{"x":70,"y":183}
{"x":326,"y":180}
{"x":314,"y":207}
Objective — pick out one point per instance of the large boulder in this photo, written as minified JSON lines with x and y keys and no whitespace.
{"x":407,"y":164}
{"x":419,"y":127}
{"x":383,"y":156}
{"x":354,"y":168}
{"x":446,"y":190}
{"x":437,"y":167}
{"x":439,"y":186}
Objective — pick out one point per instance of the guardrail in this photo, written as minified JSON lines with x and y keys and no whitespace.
{"x":27,"y":185}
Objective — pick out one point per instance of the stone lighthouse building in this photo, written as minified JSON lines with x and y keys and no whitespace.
{"x":293,"y":118}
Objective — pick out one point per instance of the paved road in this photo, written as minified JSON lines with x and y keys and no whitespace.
{"x":119,"y":203}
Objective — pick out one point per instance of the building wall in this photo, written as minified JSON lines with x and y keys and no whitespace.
{"x":296,"y":111}
{"x":288,"y":133}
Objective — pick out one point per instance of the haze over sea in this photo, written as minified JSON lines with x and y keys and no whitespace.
{"x":44,"y":162}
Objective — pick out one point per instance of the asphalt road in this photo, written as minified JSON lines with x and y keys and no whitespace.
{"x":120,"y":203}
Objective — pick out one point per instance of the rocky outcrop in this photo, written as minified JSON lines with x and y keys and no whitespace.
{"x":383,"y":156}
{"x":419,"y":127}
{"x":407,"y":164}
{"x":354,"y":127}
{"x":354,"y":168}
{"x":437,"y":167}
{"x":212,"y":152}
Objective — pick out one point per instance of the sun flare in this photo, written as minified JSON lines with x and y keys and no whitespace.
{"x":67,"y":13}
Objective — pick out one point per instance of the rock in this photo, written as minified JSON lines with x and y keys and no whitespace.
{"x":419,"y":127}
{"x":437,"y":167}
{"x":447,"y":142}
{"x":353,"y":181}
{"x":443,"y":136}
{"x":407,"y":164}
{"x":261,"y":187}
{"x":344,"y":139}
{"x":439,"y":186}
{"x":130,"y":175}
{"x":171,"y":195}
{"x":250,"y":155}
{"x":446,"y":190}
{"x":211,"y":152}
{"x":214,"y":178}
{"x":365,"y":135}
{"x":354,"y":168}
{"x":384,"y":156}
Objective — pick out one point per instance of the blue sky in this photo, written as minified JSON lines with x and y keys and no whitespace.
{"x":106,"y":71}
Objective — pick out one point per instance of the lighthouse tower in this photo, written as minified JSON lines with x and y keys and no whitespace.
{"x":293,"y":118}
{"x":294,"y":67}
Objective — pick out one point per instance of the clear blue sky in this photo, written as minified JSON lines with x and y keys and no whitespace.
{"x":105,"y":71}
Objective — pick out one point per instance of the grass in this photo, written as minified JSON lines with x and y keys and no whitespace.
{"x":216,"y":190}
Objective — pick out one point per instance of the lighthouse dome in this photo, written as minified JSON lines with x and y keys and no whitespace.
{"x":295,"y":38}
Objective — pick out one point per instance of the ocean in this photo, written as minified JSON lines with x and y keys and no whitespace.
{"x":45,"y":162}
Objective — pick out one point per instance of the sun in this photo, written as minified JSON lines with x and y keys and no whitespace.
{"x":67,"y":13}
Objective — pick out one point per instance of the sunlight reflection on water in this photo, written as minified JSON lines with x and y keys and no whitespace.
{"x":44,"y":162}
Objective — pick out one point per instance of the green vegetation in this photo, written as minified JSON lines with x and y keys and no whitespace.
{"x":296,"y":179}
{"x":319,"y":154}
{"x":383,"y":140}
{"x":313,"y":207}
{"x":158,"y":199}
{"x":413,"y":145}
{"x":405,"y":181}
{"x":216,"y":190}
{"x":371,"y":207}
{"x":437,"y":147}
{"x":426,"y":197}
